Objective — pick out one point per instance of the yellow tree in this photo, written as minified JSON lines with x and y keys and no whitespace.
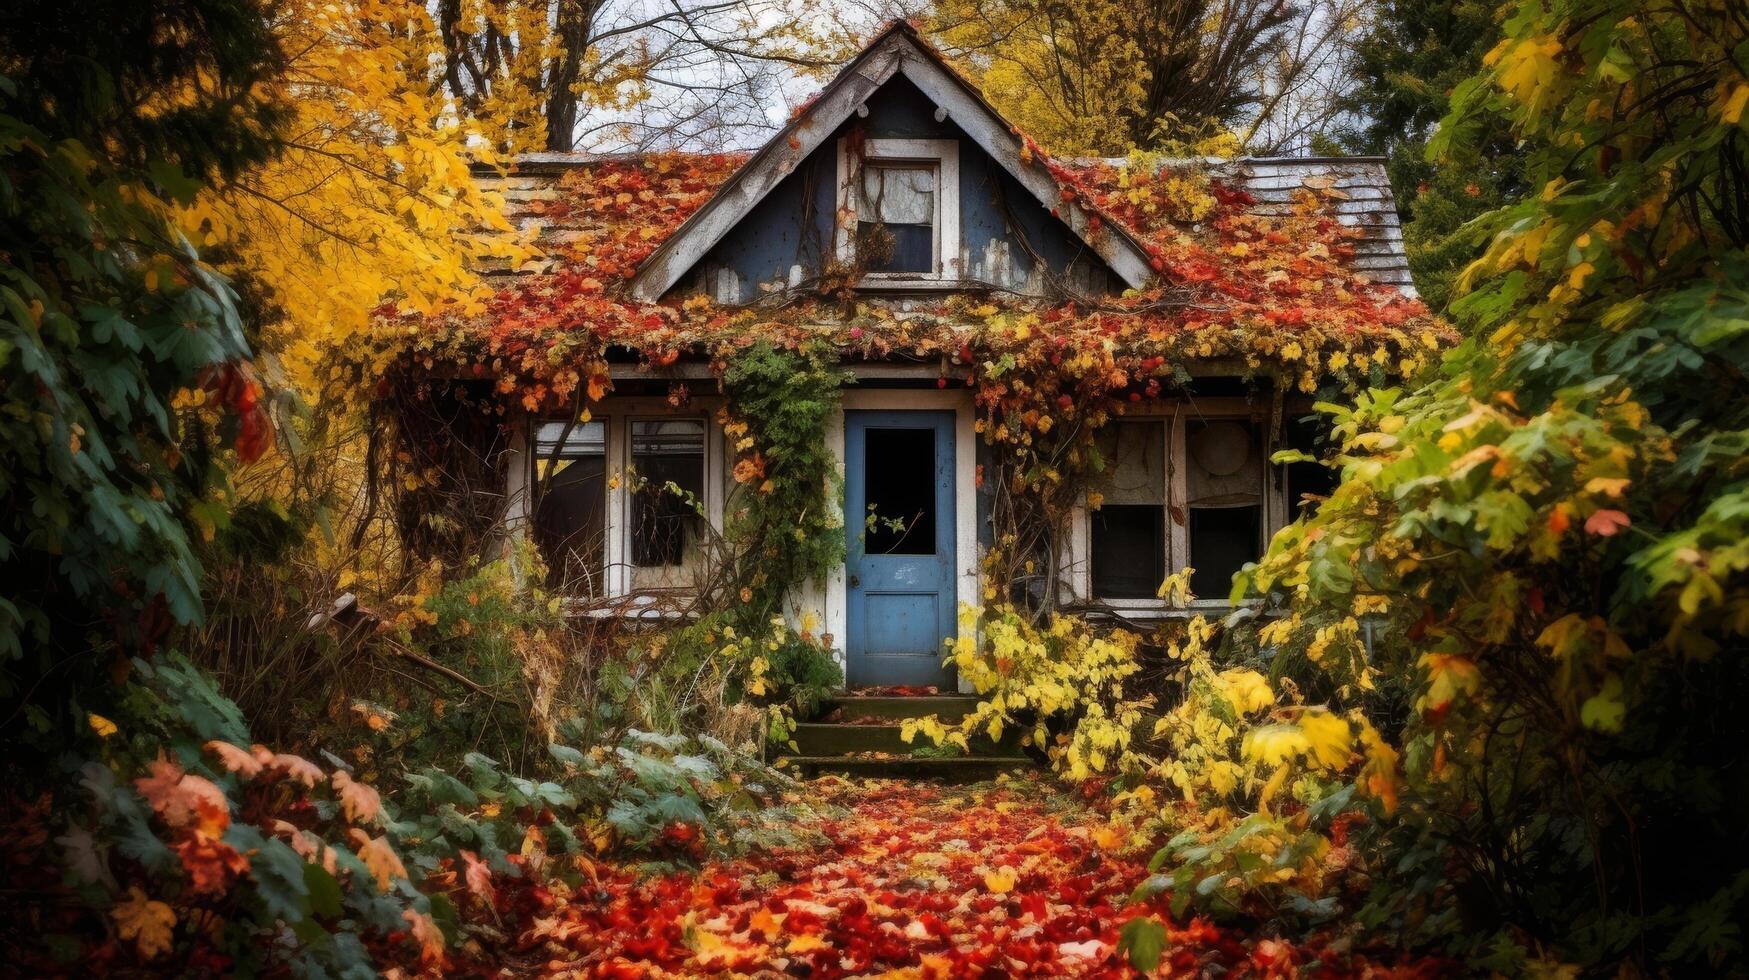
{"x":370,"y":199}
{"x":551,"y":74}
{"x":1103,"y":77}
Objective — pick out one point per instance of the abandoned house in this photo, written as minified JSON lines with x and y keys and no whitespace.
{"x":899,"y":219}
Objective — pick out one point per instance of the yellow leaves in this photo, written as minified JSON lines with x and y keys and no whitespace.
{"x":1731,"y":106}
{"x":808,"y":942}
{"x":1378,"y":776}
{"x":146,"y":922}
{"x":1605,"y":710}
{"x":1321,"y":739}
{"x":1000,"y":881}
{"x":766,"y":923}
{"x":379,"y":859}
{"x":1526,"y":69}
{"x":1574,"y":635}
{"x":1608,"y":486}
{"x":1246,"y":690}
{"x":1176,"y":588}
{"x":1449,"y":676}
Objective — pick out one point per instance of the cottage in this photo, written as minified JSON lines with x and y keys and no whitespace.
{"x":1053,"y":383}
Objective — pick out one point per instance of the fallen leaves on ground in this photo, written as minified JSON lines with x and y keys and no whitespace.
{"x":920,"y":880}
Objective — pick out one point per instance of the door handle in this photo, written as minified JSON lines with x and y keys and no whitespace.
{"x":855,"y":582}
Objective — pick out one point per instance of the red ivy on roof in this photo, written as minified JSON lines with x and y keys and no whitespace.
{"x":1232,"y":283}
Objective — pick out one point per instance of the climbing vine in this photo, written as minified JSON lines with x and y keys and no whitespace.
{"x":784,"y":527}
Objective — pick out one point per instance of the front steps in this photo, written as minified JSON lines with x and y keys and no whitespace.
{"x":858,"y":735}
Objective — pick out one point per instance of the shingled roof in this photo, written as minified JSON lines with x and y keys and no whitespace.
{"x":1357,"y":190}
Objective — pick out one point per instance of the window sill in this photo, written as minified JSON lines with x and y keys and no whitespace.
{"x":653,"y":606}
{"x":919,"y":283}
{"x":1159,"y":609}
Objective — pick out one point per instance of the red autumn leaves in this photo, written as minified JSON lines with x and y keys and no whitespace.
{"x":234,"y":387}
{"x":918,"y":880}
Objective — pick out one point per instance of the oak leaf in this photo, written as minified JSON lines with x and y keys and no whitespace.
{"x":298,"y":768}
{"x":424,"y":931}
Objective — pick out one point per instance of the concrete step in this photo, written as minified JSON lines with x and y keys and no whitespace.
{"x":844,"y":739}
{"x":965,"y":768}
{"x":850,"y":707}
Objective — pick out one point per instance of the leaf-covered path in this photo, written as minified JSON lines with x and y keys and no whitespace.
{"x":917,"y":880}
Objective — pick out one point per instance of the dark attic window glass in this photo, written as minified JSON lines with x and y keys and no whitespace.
{"x":1224,"y":483}
{"x":899,"y":467}
{"x":570,"y":522}
{"x":668,"y":457}
{"x":895,"y":230}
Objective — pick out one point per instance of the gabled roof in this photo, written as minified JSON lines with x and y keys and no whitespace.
{"x":896,"y":50}
{"x":562,"y":213}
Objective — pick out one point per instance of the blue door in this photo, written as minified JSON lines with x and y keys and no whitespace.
{"x":898,"y":513}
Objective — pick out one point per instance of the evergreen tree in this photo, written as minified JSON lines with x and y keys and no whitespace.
{"x":1406,"y":64}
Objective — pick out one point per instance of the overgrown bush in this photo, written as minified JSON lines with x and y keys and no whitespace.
{"x":1547,"y":537}
{"x":179,"y":845}
{"x":1062,"y":685}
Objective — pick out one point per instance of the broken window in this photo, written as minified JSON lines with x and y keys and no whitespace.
{"x":895,"y":228}
{"x":570,"y":520}
{"x":666,"y":521}
{"x":1166,"y":503}
{"x":1129,"y":528}
{"x":899,"y":467}
{"x":1224,"y":482}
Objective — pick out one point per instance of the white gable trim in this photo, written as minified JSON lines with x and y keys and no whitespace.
{"x":898,"y":50}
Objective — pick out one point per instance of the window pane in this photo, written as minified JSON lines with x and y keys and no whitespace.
{"x":1129,"y":528}
{"x":899,"y":474}
{"x":1129,"y":550}
{"x":1224,"y":480}
{"x":1133,"y":453}
{"x":1307,"y":482}
{"x":896,"y":230}
{"x":570,"y":522}
{"x":668,"y":456}
{"x":1224,"y":467}
{"x":1222,"y":540}
{"x":900,"y":195}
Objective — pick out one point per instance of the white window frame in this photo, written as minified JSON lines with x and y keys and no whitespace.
{"x":945,"y":155}
{"x":619,"y":597}
{"x":1177,"y":416}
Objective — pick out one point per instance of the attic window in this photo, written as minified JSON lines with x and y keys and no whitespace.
{"x":898,"y":206}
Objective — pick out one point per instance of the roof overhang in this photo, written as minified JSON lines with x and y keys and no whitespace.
{"x":896,"y":50}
